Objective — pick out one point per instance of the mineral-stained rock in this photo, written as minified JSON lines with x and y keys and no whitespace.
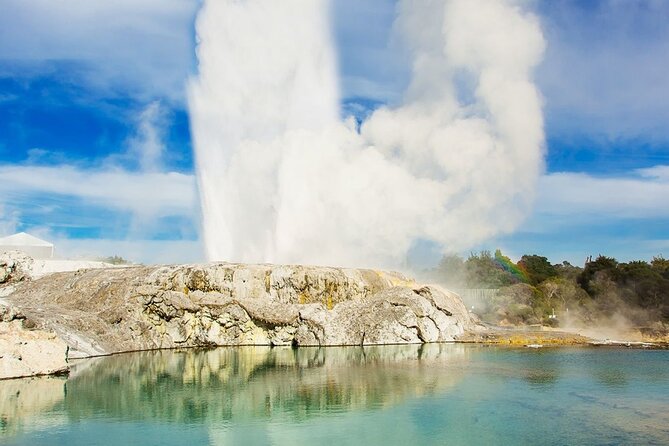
{"x":104,"y":311}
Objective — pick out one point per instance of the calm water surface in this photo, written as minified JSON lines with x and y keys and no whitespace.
{"x":391,"y":395}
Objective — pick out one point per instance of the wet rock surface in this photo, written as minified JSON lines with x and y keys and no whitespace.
{"x":104,"y":311}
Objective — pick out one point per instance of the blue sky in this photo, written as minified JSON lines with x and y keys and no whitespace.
{"x":95,"y":150}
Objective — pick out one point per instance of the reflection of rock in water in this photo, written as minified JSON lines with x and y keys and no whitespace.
{"x":237,"y":383}
{"x":22,"y":401}
{"x":613,"y":378}
{"x":541,"y":377}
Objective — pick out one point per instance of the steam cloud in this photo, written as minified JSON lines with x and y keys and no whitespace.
{"x":283,"y":179}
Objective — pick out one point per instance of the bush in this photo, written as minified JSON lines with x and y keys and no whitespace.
{"x":115,"y":260}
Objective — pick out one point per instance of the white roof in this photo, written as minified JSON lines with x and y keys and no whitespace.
{"x":23,"y":239}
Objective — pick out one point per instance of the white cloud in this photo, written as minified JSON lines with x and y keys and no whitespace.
{"x":8,"y":220}
{"x":605,"y":68}
{"x":146,"y":147}
{"x":153,"y":194}
{"x":149,"y":142}
{"x":373,"y":63}
{"x":144,"y":45}
{"x":578,"y":215}
{"x":603,"y":74}
{"x":660,"y":173}
{"x":47,"y":195}
{"x":579,"y":195}
{"x":68,"y":198}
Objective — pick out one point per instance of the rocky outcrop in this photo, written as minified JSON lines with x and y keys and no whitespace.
{"x":26,"y":353}
{"x":15,"y":266}
{"x":103,"y":311}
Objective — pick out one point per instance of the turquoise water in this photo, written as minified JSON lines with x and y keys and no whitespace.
{"x":391,"y":395}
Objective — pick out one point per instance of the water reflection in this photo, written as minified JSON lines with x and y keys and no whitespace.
{"x":22,"y":401}
{"x":541,"y":368}
{"x":233,"y":384}
{"x":374,"y":395}
{"x":613,"y":378}
{"x":541,"y":377}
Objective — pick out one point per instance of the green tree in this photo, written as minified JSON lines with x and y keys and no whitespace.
{"x":661,"y":265}
{"x":568,"y":271}
{"x":642,"y":284}
{"x":537,"y":268}
{"x":601,"y":266}
{"x":507,"y":265}
{"x":563,"y":294}
{"x":483,"y":271}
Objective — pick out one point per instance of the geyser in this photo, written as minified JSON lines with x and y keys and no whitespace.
{"x":283,"y":179}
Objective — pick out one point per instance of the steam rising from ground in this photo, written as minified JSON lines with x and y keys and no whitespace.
{"x":283,"y":179}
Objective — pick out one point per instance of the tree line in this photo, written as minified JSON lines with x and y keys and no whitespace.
{"x":534,"y":291}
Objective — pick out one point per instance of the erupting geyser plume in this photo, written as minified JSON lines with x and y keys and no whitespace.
{"x":283,"y":179}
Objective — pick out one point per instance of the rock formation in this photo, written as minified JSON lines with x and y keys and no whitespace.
{"x":104,"y":311}
{"x":30,"y":352}
{"x":15,"y":266}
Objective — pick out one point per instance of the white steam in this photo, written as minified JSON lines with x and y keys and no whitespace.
{"x":283,"y":179}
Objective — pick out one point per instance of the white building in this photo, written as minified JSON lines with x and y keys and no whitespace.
{"x":31,"y":245}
